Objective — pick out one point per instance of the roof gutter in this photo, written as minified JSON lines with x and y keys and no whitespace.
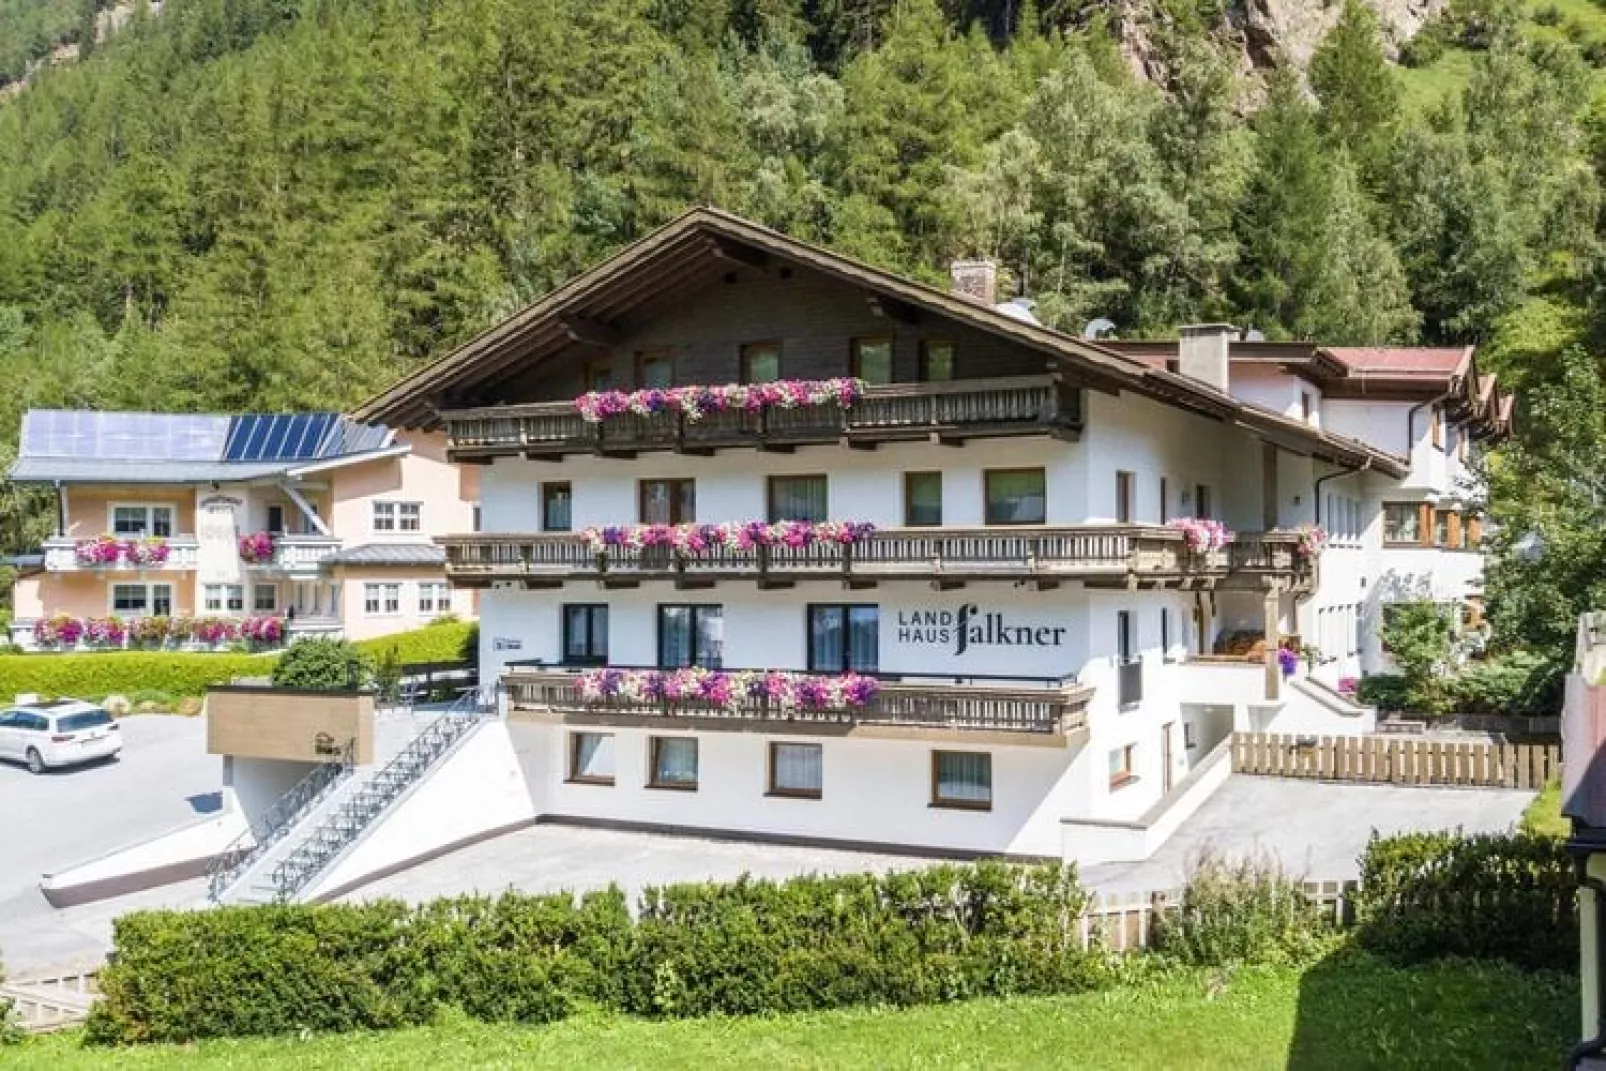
{"x":1316,"y":488}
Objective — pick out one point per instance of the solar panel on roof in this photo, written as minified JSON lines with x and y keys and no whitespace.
{"x":277,"y":436}
{"x":122,"y":436}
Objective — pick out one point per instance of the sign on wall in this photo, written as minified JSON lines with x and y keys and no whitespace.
{"x":976,"y":637}
{"x":970,"y":626}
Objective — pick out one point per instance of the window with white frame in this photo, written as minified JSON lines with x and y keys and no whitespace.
{"x":142,"y":519}
{"x":142,"y":600}
{"x":380,"y":600}
{"x":264,"y":598}
{"x":398,"y":516}
{"x":223,"y":598}
{"x":433,"y":598}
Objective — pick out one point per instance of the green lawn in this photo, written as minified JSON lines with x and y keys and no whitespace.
{"x":1543,"y":815}
{"x":1347,"y":1012}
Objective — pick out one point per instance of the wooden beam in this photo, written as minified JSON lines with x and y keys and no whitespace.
{"x":892,"y":309}
{"x":739,"y":254}
{"x":591,"y":332}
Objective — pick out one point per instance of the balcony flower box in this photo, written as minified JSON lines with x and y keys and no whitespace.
{"x":696,"y":686}
{"x":58,"y":632}
{"x":694,"y":402}
{"x":103,"y":550}
{"x":692,"y":539}
{"x":1202,"y":534}
{"x":258,"y":547}
{"x":1312,"y":541}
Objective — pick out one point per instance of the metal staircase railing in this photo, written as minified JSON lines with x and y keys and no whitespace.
{"x":358,"y":811}
{"x":276,"y":821}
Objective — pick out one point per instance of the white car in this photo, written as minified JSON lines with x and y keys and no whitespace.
{"x":62,"y":733}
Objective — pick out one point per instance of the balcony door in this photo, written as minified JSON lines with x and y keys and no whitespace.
{"x":668,"y":501}
{"x":844,"y":638}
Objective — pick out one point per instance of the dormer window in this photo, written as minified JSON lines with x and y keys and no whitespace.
{"x":761,"y":362}
{"x":872,"y":359}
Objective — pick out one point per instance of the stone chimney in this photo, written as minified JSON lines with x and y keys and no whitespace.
{"x":976,"y":280}
{"x":1203,"y":353}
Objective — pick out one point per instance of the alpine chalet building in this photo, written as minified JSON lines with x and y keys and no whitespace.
{"x":775,"y":544}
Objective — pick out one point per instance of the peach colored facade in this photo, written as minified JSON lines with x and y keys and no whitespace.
{"x":387,"y":500}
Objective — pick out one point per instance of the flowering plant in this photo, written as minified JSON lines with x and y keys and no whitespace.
{"x":215,"y":630}
{"x":257,"y":547}
{"x":1348,"y":685}
{"x":109,"y":550}
{"x":790,"y":691}
{"x":62,"y":630}
{"x":264,"y":628}
{"x":1287,"y":660}
{"x":1312,"y":540}
{"x":1201,"y":533}
{"x":688,"y":539}
{"x":152,"y":630}
{"x":694,"y":402}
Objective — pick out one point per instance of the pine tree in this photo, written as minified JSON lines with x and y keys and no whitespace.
{"x":1359,"y":94}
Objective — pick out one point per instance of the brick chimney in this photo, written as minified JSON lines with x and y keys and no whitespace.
{"x":1203,"y":353}
{"x":976,"y":280}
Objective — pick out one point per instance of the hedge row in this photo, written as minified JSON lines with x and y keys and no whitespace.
{"x":1508,"y":897}
{"x":748,"y":947}
{"x":95,"y":675}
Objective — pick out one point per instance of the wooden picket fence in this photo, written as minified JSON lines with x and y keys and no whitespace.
{"x":1124,"y":922}
{"x":1396,"y":760}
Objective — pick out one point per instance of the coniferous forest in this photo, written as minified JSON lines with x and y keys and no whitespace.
{"x":265,"y":204}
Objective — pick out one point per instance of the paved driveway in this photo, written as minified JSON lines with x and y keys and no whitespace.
{"x":1315,"y":830}
{"x":164,"y":780}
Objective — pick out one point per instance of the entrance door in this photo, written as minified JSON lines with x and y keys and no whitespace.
{"x":1167,"y":735}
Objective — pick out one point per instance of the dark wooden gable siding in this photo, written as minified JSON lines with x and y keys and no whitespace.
{"x":813,"y":317}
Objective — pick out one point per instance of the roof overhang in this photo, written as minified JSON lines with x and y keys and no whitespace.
{"x":298,"y":471}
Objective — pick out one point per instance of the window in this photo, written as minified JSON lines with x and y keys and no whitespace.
{"x":585,"y":634}
{"x":962,"y":779}
{"x":556,"y":503}
{"x":872,"y":359}
{"x":410,"y":516}
{"x":797,"y":498}
{"x":667,"y":501}
{"x":218,"y":598}
{"x":843,"y":638}
{"x":936,"y":361}
{"x":1122,"y":761}
{"x":1123,"y":497}
{"x":1402,"y":522}
{"x":591,"y":758}
{"x":1125,"y":639}
{"x":1474,"y":532}
{"x":1165,"y":633}
{"x":599,"y":375}
{"x":761,"y":362}
{"x":1190,"y":738}
{"x":433,"y":597}
{"x":275,"y":519}
{"x":264,"y":598}
{"x":922,"y":499}
{"x":1165,"y":505}
{"x":142,"y":600}
{"x":690,"y":636}
{"x":136,"y":521}
{"x":381,"y":599}
{"x":796,"y":770}
{"x":674,"y":763}
{"x":474,"y":524}
{"x":1436,"y":426}
{"x":655,"y":369}
{"x":1201,"y":501}
{"x":1304,"y":405}
{"x":1016,"y":496}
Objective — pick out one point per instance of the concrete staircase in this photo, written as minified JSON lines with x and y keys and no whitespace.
{"x":407,"y":745}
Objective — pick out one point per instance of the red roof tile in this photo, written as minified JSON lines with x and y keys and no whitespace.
{"x":1400,"y":359}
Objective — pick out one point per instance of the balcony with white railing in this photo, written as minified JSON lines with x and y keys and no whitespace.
{"x":293,"y":554}
{"x":1098,"y":553}
{"x":121,"y":554}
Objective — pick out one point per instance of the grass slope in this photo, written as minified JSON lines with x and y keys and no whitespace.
{"x":1348,"y":1011}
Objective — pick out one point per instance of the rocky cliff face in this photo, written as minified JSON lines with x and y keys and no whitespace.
{"x":1268,"y":33}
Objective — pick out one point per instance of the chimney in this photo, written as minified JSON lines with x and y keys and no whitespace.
{"x":976,"y":280}
{"x":1203,"y":355}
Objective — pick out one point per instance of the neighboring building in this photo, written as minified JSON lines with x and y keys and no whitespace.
{"x":1583,"y":802}
{"x":1049,"y":644}
{"x":152,"y":508}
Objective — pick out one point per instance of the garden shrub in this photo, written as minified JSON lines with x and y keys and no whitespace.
{"x":96,"y":675}
{"x":1385,"y":691}
{"x":323,"y":663}
{"x":1246,"y":911}
{"x":445,"y":639}
{"x":1521,"y":682}
{"x":1508,"y":897}
{"x":749,"y":947}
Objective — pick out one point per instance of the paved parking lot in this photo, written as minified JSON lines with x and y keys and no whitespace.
{"x":164,"y":780}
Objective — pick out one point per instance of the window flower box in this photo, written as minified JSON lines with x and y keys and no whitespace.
{"x":692,"y":539}
{"x":1202,"y":534}
{"x":694,"y":402}
{"x":105,"y":550}
{"x":258,"y":547}
{"x":730,"y":691}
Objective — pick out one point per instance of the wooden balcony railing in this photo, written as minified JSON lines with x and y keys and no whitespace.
{"x":1016,"y":705}
{"x":951,"y":410}
{"x":956,"y":554}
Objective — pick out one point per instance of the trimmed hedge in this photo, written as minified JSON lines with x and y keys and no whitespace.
{"x":103,"y":673}
{"x":1429,"y":895}
{"x":750,"y":947}
{"x":97,"y":674}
